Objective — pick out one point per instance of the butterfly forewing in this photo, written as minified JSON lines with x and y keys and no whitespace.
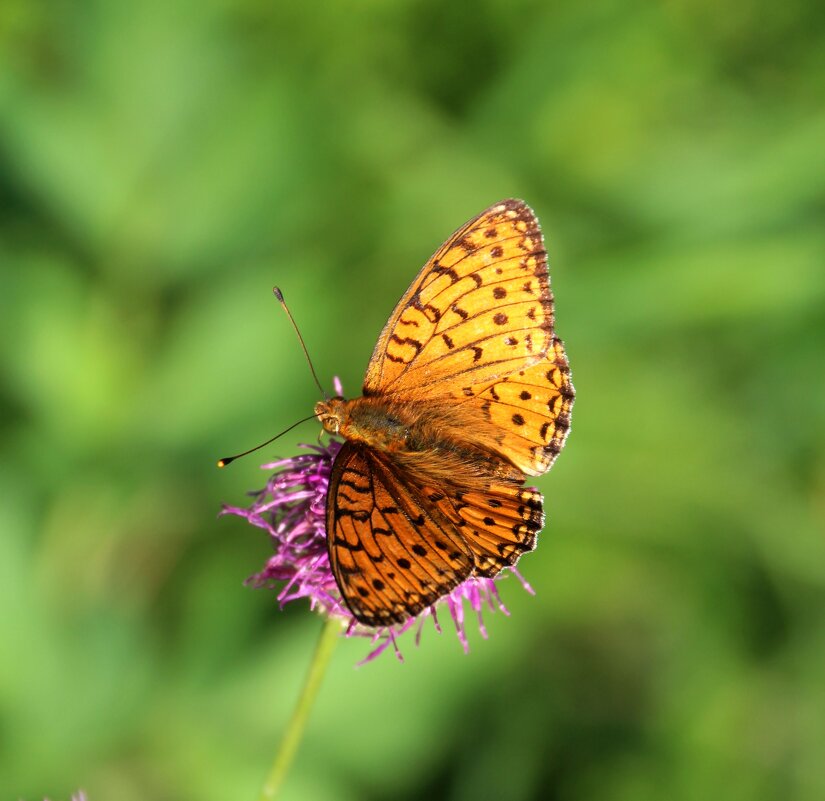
{"x":390,"y":552}
{"x":499,"y":524}
{"x":480,"y":308}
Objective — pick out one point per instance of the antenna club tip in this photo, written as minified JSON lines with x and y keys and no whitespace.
{"x":278,"y":294}
{"x":225,"y":461}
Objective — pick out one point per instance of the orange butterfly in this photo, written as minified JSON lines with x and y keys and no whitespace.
{"x":467,"y":392}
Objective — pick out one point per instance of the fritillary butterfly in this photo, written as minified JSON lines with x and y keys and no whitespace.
{"x":467,"y":392}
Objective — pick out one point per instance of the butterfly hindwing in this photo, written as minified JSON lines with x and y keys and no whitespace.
{"x":480,"y":308}
{"x":390,"y":552}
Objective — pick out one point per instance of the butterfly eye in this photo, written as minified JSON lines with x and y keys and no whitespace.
{"x":329,"y":414}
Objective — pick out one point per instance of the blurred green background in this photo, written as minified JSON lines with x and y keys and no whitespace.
{"x":162,"y":165}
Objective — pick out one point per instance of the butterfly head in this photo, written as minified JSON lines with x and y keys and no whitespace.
{"x":331,"y":414}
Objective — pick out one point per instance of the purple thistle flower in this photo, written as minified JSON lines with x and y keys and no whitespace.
{"x":291,"y":509}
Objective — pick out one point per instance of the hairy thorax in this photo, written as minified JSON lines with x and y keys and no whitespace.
{"x":365,"y":420}
{"x":431,"y":442}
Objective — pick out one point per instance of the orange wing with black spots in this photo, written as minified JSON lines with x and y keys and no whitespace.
{"x":528,"y":411}
{"x":477,"y":326}
{"x":480,"y":308}
{"x":392,"y":551}
{"x":396,"y":548}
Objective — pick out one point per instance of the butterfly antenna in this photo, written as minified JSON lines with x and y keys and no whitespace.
{"x":228,"y":459}
{"x":280,"y":296}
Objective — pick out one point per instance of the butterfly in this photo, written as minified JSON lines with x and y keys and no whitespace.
{"x":467,"y":393}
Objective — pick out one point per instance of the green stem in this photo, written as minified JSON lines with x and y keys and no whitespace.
{"x":295,"y":728}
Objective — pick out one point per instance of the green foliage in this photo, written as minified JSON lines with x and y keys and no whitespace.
{"x":163,"y":164}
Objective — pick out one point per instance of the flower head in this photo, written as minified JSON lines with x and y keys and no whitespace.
{"x":291,"y":509}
